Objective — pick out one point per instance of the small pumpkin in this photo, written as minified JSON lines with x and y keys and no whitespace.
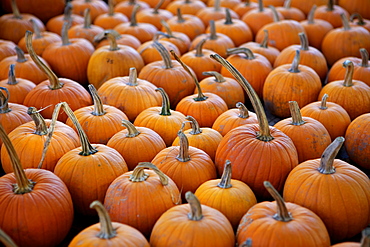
{"x":6,"y":48}
{"x":180,"y":39}
{"x":191,"y":7}
{"x":331,"y":13}
{"x":154,"y":15}
{"x":97,"y":7}
{"x":214,"y":12}
{"x":291,"y":13}
{"x":127,"y":7}
{"x":111,"y":19}
{"x":360,"y":21}
{"x":365,"y":240}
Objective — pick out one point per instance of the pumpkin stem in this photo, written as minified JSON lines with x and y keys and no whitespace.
{"x":323,"y":102}
{"x":180,"y":18}
{"x":349,"y":73}
{"x":247,"y":243}
{"x":166,"y":109}
{"x":196,"y":130}
{"x":132,"y":78}
{"x":218,"y":77}
{"x":265,"y":41}
{"x":195,"y":207}
{"x":199,"y":48}
{"x":327,"y":158}
{"x":36,"y":29}
{"x":110,"y":8}
{"x":41,"y":128}
{"x":6,"y":240}
{"x":113,"y":46}
{"x":4,"y":106}
{"x":64,"y":33}
{"x":212,"y":30}
{"x":87,"y":18}
{"x":295,"y":64}
{"x":20,"y":54}
{"x":360,"y":20}
{"x":166,"y":27}
{"x":159,"y":4}
{"x":225,"y":182}
{"x":164,"y":54}
{"x":12,"y":80}
{"x":365,"y":240}
{"x":23,"y":185}
{"x":133,"y":21}
{"x":98,"y":104}
{"x":217,"y":6}
{"x":264,"y":133}
{"x":345,"y":22}
{"x":296,"y":114}
{"x":201,"y":96}
{"x":183,"y":155}
{"x":275,"y":14}
{"x":243,"y":111}
{"x":330,"y":5}
{"x":53,"y":79}
{"x":310,"y":16}
{"x":131,"y":129}
{"x":68,"y":12}
{"x":139,"y":175}
{"x":244,"y":50}
{"x":260,"y":6}
{"x":228,"y":19}
{"x":106,"y":228}
{"x":15,"y":10}
{"x":287,"y":4}
{"x":364,"y":58}
{"x":304,"y":41}
{"x":282,"y":213}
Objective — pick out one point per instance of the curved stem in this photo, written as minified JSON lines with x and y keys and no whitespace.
{"x":304,"y":41}
{"x":110,"y":8}
{"x":295,"y":64}
{"x":195,"y":207}
{"x":360,"y":20}
{"x":296,"y":113}
{"x":201,"y":96}
{"x":265,"y":41}
{"x":243,"y":111}
{"x":244,"y":50}
{"x":323,"y":102}
{"x":364,"y":58}
{"x":139,"y":175}
{"x":349,"y":73}
{"x":282,"y":213}
{"x":264,"y":133}
{"x":131,"y":129}
{"x":12,"y":80}
{"x":53,"y":79}
{"x":4,"y":106}
{"x":218,"y":77}
{"x":40,"y":125}
{"x":113,"y":46}
{"x":166,"y":108}
{"x":217,"y":5}
{"x":15,"y":10}
{"x":196,"y":130}
{"x":68,"y":11}
{"x":287,"y":4}
{"x":275,"y":14}
{"x":23,"y":184}
{"x":180,"y":18}
{"x":212,"y":30}
{"x":157,"y":7}
{"x":6,"y":240}
{"x":87,"y":18}
{"x":225,"y":182}
{"x":327,"y":158}
{"x":98,"y":104}
{"x":106,"y":228}
{"x":228,"y":19}
{"x":64,"y":33}
{"x":260,"y":6}
{"x":36,"y":29}
{"x":310,"y":16}
{"x":199,"y":48}
{"x":345,"y":22}
{"x":133,"y":21}
{"x":132,"y":78}
{"x":183,"y":155}
{"x":164,"y":54}
{"x":20,"y":54}
{"x":330,"y":5}
{"x":166,"y":27}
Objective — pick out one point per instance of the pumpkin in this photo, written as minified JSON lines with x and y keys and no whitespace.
{"x":282,"y":224}
{"x":214,"y":13}
{"x":290,"y":82}
{"x":121,"y":39}
{"x":127,"y":7}
{"x":99,"y":122}
{"x":107,"y":232}
{"x":291,"y":13}
{"x":203,"y":107}
{"x":306,"y":6}
{"x":131,"y":142}
{"x":153,"y":3}
{"x":117,"y":61}
{"x":356,"y":6}
{"x":144,"y":195}
{"x":154,"y":15}
{"x":6,"y":49}
{"x":188,"y":7}
{"x":181,"y":40}
{"x":365,"y":240}
{"x":163,"y":120}
{"x":254,"y":149}
{"x":201,"y":226}
{"x":18,"y":88}
{"x":111,"y":19}
{"x":352,"y":95}
{"x":233,"y":118}
{"x":54,"y":90}
{"x":31,"y":194}
{"x":358,"y":141}
{"x":127,"y":94}
{"x":360,"y":21}
{"x":97,"y":7}
{"x":231,"y":197}
{"x":331,"y":115}
{"x":228,"y":4}
{"x":88,"y":170}
{"x":331,"y":187}
{"x":309,"y":136}
{"x":275,"y":3}
{"x":331,"y":13}
{"x":77,"y":51}
{"x":206,"y":139}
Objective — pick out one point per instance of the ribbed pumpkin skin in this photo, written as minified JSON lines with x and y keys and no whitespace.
{"x":12,"y":119}
{"x":306,"y":228}
{"x":358,"y":140}
{"x":256,"y":161}
{"x":47,"y":208}
{"x":175,"y":229}
{"x":72,"y":92}
{"x":332,"y":196}
{"x":6,"y":49}
{"x":88,"y":177}
{"x":29,"y":146}
{"x":126,"y":236}
{"x":18,"y":91}
{"x":316,"y":31}
{"x":141,"y":148}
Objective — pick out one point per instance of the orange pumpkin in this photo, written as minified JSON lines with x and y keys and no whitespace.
{"x":291,"y":13}
{"x":154,"y":15}
{"x":189,"y":7}
{"x":360,"y":21}
{"x":111,"y":19}
{"x":244,"y":7}
{"x":331,"y":13}
{"x":306,"y":6}
{"x":121,"y":39}
{"x":180,"y":39}
{"x":214,"y":13}
{"x":127,"y":7}
{"x":6,"y":49}
{"x":97,"y":7}
{"x":365,"y":240}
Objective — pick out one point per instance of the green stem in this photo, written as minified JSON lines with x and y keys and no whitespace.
{"x":295,"y":64}
{"x":225,"y":182}
{"x":106,"y":228}
{"x":98,"y":104}
{"x":196,"y":130}
{"x":282,"y":213}
{"x":166,"y":108}
{"x":195,"y":207}
{"x":4,"y":106}
{"x":139,"y":175}
{"x":327,"y":158}
{"x":296,"y":114}
{"x":349,"y":73}
{"x":183,"y":155}
{"x":131,"y":129}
